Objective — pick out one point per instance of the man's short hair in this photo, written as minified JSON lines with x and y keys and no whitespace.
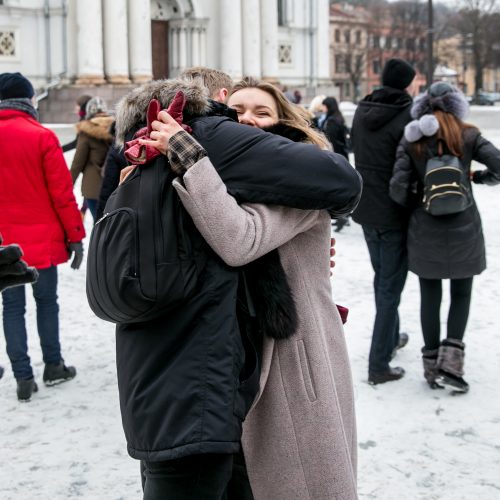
{"x":213,"y":79}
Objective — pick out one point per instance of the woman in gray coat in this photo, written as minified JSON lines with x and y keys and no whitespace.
{"x":449,"y":245}
{"x":299,"y":437}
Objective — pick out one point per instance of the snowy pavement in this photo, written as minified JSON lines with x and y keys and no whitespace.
{"x":414,"y":443}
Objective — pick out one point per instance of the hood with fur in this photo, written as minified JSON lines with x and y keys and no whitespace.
{"x":454,"y":103}
{"x":131,"y":109}
{"x":97,"y":127}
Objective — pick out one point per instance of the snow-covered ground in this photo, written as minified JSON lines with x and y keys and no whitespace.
{"x":414,"y":443}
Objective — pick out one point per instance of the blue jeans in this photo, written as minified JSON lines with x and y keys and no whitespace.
{"x":92,"y":206}
{"x":389,"y":260}
{"x":47,"y":317}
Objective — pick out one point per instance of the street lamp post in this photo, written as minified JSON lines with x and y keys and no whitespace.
{"x":430,"y":43}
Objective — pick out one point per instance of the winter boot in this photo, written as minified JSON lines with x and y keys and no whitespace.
{"x":431,"y":373}
{"x":1,"y":371}
{"x":25,"y":388}
{"x":450,"y":365}
{"x":56,"y":374}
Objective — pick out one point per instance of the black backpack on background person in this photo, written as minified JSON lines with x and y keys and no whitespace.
{"x":141,"y":261}
{"x":446,"y":187}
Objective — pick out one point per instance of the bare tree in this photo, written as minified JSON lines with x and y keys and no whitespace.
{"x":477,"y":22}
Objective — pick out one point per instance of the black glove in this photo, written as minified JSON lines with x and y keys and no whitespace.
{"x":14,"y":271}
{"x":77,"y":250}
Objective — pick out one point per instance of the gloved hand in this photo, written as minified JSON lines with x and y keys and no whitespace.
{"x":14,"y":271}
{"x":76,"y":249}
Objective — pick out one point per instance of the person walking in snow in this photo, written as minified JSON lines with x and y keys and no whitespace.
{"x":94,"y":140}
{"x":449,"y":245}
{"x":38,"y":212}
{"x":377,"y":128}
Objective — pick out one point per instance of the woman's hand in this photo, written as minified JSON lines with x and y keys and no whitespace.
{"x":163,"y":129}
{"x":332,"y":254}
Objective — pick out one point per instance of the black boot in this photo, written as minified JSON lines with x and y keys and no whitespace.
{"x":25,"y":388}
{"x":1,"y":371}
{"x":389,"y":376}
{"x":450,"y":364}
{"x":431,"y":373}
{"x":57,"y":374}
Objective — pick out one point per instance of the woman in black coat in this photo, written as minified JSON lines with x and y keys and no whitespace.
{"x":448,"y":246}
{"x":334,"y":126}
{"x":335,"y":129}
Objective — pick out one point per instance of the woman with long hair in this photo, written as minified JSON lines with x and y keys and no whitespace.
{"x":301,"y":427}
{"x":449,"y":245}
{"x":334,"y":126}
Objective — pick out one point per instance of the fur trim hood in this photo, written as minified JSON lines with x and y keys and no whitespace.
{"x":451,"y":102}
{"x":97,"y":127}
{"x":131,"y":109}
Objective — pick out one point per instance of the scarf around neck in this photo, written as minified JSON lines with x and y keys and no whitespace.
{"x":20,"y":104}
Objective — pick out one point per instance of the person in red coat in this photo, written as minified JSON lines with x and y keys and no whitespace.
{"x":38,"y":212}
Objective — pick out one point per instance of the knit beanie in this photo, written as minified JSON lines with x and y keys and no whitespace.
{"x":15,"y":85}
{"x":397,"y":74}
{"x":94,"y":106}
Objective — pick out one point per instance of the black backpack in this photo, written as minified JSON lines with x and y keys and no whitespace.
{"x":446,"y":188}
{"x":141,"y":262}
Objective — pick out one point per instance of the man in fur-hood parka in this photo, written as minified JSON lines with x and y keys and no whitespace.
{"x":187,"y":380}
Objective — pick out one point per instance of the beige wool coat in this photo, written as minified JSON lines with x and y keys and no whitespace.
{"x":299,"y":438}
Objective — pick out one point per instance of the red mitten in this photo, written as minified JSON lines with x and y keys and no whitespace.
{"x":343,"y":311}
{"x":138,"y":154}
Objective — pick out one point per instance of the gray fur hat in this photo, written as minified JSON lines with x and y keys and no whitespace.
{"x":94,"y":106}
{"x":131,"y":109}
{"x":443,"y":96}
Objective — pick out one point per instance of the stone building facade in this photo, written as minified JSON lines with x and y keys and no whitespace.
{"x":107,"y":46}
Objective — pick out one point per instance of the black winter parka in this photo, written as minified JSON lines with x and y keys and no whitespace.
{"x":377,"y":128}
{"x":446,"y":246}
{"x":187,"y":380}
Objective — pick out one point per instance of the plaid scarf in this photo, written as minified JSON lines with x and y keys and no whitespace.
{"x":20,"y":104}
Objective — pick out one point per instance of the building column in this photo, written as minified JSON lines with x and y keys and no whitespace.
{"x":196,"y":49}
{"x":116,"y":36}
{"x":139,"y":40}
{"x":230,"y":38}
{"x":182,"y":48}
{"x":90,"y":57}
{"x":251,"y":38}
{"x":323,"y":45}
{"x":72,"y":42}
{"x":269,"y":37}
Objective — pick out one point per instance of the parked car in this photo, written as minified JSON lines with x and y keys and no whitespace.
{"x":482,"y":99}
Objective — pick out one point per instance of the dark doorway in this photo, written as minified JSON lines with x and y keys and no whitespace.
{"x":159,"y":47}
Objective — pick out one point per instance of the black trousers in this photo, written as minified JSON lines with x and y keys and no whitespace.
{"x":430,"y":305}
{"x":197,"y":477}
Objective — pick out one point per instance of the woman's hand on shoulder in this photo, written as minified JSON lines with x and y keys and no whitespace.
{"x":163,"y":130}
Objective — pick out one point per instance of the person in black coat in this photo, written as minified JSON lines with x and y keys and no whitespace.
{"x":187,"y":379}
{"x":113,"y":165}
{"x":377,"y":128}
{"x":449,"y":246}
{"x":335,"y":129}
{"x":334,"y":126}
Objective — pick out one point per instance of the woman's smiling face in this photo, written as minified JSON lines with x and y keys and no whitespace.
{"x":255,"y":107}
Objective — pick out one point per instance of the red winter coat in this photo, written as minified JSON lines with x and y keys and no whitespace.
{"x":38,"y":210}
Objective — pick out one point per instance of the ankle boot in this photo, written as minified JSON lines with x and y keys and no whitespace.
{"x":450,"y":364}
{"x":431,"y":373}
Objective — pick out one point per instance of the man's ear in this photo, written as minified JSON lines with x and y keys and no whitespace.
{"x":221,"y":95}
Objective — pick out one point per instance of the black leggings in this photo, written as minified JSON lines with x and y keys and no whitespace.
{"x":430,"y":305}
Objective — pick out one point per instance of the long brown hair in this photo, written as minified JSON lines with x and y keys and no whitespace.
{"x":288,"y":113}
{"x":450,"y":133}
